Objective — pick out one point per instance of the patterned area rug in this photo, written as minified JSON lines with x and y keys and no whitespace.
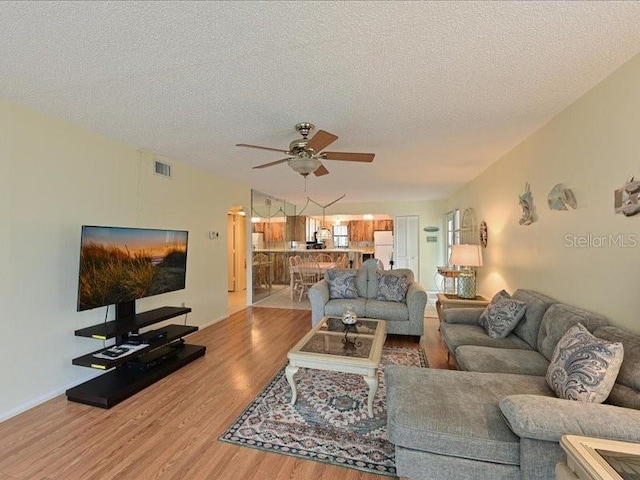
{"x":329,"y":422}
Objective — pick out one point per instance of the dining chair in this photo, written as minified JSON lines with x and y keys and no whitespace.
{"x":294,"y":260}
{"x":307,"y":275}
{"x":323,"y":258}
{"x":261,"y":270}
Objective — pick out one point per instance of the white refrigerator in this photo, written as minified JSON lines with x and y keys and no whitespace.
{"x":383,"y":247}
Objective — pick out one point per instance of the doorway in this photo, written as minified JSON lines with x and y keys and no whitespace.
{"x":407,"y":235}
{"x":236,"y":260}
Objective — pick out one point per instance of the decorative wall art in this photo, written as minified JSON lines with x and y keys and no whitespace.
{"x":560,"y":198}
{"x":627,"y":198}
{"x":468,"y":227}
{"x":483,"y":234}
{"x":526,"y":202}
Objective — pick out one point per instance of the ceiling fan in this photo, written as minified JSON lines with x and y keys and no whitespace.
{"x":305,"y":154}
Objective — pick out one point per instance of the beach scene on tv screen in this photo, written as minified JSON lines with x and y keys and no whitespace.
{"x":122,"y":264}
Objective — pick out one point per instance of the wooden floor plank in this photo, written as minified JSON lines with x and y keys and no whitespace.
{"x":170,"y":430}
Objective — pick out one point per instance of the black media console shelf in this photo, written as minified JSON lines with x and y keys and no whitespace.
{"x":112,"y":329}
{"x":131,"y":373}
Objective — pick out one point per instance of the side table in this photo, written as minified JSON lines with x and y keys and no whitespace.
{"x":597,"y":459}
{"x":447,"y":300}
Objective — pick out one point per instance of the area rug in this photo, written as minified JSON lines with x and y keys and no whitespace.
{"x":329,"y":422}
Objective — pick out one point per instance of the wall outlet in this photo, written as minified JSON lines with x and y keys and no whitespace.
{"x":213,"y":235}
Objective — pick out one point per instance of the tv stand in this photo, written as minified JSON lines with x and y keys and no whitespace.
{"x":131,"y":373}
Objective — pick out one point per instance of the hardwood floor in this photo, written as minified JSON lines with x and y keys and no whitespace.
{"x":170,"y":430}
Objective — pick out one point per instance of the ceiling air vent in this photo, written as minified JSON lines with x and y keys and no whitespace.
{"x":163,"y":169}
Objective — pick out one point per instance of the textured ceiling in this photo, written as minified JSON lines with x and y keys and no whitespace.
{"x":438,"y":90}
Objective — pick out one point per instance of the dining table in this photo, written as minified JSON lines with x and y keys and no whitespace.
{"x":321,"y":266}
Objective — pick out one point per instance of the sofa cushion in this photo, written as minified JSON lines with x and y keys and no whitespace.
{"x":392,"y":311}
{"x":629,"y":375}
{"x":559,"y":318}
{"x":342,"y":283}
{"x":362,"y":282}
{"x":501,"y":360}
{"x":548,"y":418}
{"x":537,"y":304}
{"x":456,"y":334}
{"x":626,"y":391}
{"x":392,"y":288}
{"x":420,"y":465}
{"x":502,"y":315}
{"x":622,"y":396}
{"x":335,"y":307}
{"x":455,"y":413}
{"x":584,"y":367}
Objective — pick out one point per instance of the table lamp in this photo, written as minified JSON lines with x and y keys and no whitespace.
{"x":466,"y":257}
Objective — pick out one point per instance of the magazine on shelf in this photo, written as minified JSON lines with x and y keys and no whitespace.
{"x":119,"y":351}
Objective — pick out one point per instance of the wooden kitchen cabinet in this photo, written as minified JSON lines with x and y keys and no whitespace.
{"x":362,"y":230}
{"x":273,"y":231}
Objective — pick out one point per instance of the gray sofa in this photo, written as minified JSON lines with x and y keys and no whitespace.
{"x":403,"y":318}
{"x":499,"y":419}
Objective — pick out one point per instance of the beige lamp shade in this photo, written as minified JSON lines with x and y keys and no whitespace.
{"x":466,"y":255}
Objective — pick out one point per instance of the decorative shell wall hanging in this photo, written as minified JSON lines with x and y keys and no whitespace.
{"x":560,"y":198}
{"x":526,"y":202}
{"x":627,"y":198}
{"x":484,"y":234}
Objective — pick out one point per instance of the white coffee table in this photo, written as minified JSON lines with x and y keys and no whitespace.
{"x":328,"y":346}
{"x":597,"y":459}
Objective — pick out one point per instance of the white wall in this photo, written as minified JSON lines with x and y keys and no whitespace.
{"x":55,"y":177}
{"x":593,"y":147}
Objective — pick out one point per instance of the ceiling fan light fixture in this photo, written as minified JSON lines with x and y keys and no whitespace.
{"x":305,"y":164}
{"x":324,"y":233}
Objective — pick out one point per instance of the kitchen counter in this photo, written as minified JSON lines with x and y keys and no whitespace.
{"x":278,"y":262}
{"x":312,"y":250}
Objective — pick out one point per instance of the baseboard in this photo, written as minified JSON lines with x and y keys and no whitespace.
{"x":42,"y":398}
{"x":60,"y":391}
{"x":212,"y":322}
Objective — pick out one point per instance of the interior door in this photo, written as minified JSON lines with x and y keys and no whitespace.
{"x":236,"y":253}
{"x":407,"y":237}
{"x":231,"y":253}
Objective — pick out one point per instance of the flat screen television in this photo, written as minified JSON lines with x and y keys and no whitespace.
{"x":120,"y":265}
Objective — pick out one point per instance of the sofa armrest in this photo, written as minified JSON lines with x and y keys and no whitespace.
{"x":416,"y":302}
{"x":318,"y":296}
{"x":469,"y":316}
{"x":548,"y":418}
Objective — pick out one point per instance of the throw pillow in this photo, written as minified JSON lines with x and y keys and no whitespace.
{"x":342,"y":284}
{"x":502,"y":315}
{"x":584,"y":367}
{"x":392,"y":288}
{"x":498,"y":296}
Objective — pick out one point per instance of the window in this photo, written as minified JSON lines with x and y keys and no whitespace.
{"x":340,"y":236}
{"x":452,"y":220}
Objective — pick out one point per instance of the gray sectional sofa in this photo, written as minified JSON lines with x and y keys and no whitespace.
{"x":497,"y":418}
{"x":405,"y":317}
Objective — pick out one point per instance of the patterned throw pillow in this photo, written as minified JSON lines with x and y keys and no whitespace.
{"x":502,"y":315}
{"x":342,"y":284}
{"x":392,"y":288}
{"x":584,"y":367}
{"x":498,"y":296}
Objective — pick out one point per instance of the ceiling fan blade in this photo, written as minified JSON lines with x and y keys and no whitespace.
{"x":270,"y":164}
{"x":321,"y":170}
{"x":349,"y":157}
{"x":263,"y":148}
{"x":321,"y":140}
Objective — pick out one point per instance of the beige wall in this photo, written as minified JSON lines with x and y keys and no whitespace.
{"x":55,"y":177}
{"x":593,"y":147}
